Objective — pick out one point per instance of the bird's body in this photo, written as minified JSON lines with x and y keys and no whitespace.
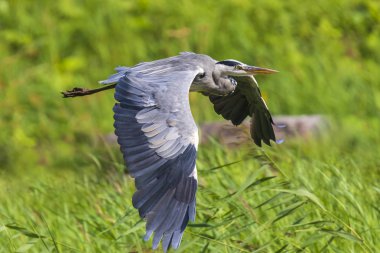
{"x":159,"y":138}
{"x":184,"y":64}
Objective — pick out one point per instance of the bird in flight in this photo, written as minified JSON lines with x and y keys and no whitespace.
{"x":159,"y":138}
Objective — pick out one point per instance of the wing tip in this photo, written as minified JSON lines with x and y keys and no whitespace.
{"x":262,"y":130}
{"x":169,"y":238}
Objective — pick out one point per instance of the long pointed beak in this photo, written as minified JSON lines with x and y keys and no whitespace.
{"x":257,"y":70}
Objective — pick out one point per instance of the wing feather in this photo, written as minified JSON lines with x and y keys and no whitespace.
{"x":158,"y":139}
{"x":246,"y":101}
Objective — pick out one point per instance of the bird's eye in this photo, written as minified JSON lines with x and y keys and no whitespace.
{"x":238,"y":67}
{"x":201,"y":75}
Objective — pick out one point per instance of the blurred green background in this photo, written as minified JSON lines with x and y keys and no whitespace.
{"x":62,"y":186}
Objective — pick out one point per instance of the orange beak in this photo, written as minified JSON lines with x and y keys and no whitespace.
{"x":257,"y":70}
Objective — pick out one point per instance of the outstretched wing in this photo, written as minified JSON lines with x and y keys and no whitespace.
{"x":158,"y":139}
{"x":246,"y":101}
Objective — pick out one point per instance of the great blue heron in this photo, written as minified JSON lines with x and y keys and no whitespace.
{"x":159,"y":138}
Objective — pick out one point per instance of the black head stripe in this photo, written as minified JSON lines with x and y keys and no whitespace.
{"x":229,"y":62}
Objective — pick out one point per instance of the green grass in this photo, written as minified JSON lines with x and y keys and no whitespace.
{"x":270,"y":200}
{"x":63,"y":187}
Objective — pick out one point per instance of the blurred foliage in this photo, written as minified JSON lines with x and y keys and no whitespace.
{"x":327,"y":53}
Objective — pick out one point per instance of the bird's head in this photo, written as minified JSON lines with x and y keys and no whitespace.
{"x":235,"y":68}
{"x":218,"y":79}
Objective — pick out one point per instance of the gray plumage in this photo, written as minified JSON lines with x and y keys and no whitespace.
{"x":159,"y":138}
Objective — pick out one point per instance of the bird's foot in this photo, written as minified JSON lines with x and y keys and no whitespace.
{"x":75,"y":92}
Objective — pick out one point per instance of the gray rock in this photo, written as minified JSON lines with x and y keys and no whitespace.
{"x":289,"y":127}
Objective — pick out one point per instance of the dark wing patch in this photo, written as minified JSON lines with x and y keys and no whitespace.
{"x":262,"y":126}
{"x":232,"y":107}
{"x":166,"y":186}
{"x":246,"y":101}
